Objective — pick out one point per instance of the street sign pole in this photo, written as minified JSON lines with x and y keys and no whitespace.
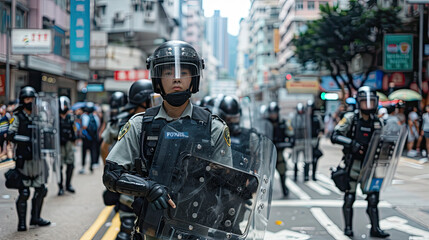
{"x":421,"y":12}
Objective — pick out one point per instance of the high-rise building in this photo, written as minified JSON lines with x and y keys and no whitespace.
{"x":217,"y":37}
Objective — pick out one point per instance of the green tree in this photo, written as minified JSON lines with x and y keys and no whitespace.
{"x":341,"y":34}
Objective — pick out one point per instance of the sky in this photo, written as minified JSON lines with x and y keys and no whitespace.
{"x":234,"y":10}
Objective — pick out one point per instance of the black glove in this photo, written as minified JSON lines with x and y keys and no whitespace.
{"x":356,"y":147}
{"x":158,"y":196}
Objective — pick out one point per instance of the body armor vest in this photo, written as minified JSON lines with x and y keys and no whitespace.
{"x":363,"y":134}
{"x":279,"y":131}
{"x":24,"y":151}
{"x":66,"y":129}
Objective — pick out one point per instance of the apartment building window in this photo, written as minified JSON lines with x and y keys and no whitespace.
{"x":59,"y":41}
{"x":299,"y":5}
{"x":20,"y":19}
{"x":4,"y":17}
{"x":310,"y":5}
{"x":322,"y":3}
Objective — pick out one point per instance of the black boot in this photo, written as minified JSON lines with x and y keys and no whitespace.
{"x":349,"y":199}
{"x":295,"y":172}
{"x":306,"y":170}
{"x":313,"y":176}
{"x":21,"y":208}
{"x":69,"y":174}
{"x":36,"y":209}
{"x":372,"y":212}
{"x":60,"y":190}
{"x":283,"y":184}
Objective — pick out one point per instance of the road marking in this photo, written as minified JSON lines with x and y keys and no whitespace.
{"x":400,"y":224}
{"x":285,"y":234}
{"x":412,"y":165}
{"x":7,"y":164}
{"x":324,"y":203}
{"x":326,"y":222}
{"x":319,"y":189}
{"x":101,"y":219}
{"x":418,"y":177}
{"x":113,"y":230}
{"x":296,"y":190}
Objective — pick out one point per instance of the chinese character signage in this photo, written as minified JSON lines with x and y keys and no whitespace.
{"x":131,"y":75}
{"x":31,"y":41}
{"x":398,"y":52}
{"x":79,"y":30}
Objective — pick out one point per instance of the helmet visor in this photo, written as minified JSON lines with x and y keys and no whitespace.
{"x":232,"y":118}
{"x":368,"y":103}
{"x":175,"y":70}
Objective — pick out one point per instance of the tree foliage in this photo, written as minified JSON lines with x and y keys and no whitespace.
{"x":340,"y":34}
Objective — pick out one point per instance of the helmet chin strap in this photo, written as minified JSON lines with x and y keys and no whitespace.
{"x":178,"y":98}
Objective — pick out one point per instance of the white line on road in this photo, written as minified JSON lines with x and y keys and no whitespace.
{"x":296,"y":190}
{"x":319,"y":189}
{"x":286,"y":234}
{"x":323,"y":203}
{"x":399,"y":224}
{"x":413,"y":165}
{"x":326,"y":222}
{"x":418,"y":177}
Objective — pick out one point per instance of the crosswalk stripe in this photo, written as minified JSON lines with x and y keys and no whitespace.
{"x":101,"y":219}
{"x":324,"y":203}
{"x":327,"y":223}
{"x":113,"y":230}
{"x":297,"y":190}
{"x":319,"y":189}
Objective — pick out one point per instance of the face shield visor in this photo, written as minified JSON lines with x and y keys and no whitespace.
{"x":368,"y":104}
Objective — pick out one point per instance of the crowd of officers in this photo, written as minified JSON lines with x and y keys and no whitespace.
{"x":123,"y":144}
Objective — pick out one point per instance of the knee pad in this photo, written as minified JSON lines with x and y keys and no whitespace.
{"x":127,"y":224}
{"x":349,"y":199}
{"x":41,"y":191}
{"x":24,"y":194}
{"x":372,"y":199}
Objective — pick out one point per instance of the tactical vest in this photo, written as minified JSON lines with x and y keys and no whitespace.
{"x":279,"y":131}
{"x":241,"y":149}
{"x":66,"y":129}
{"x":362,"y":131}
{"x":152,"y":128}
{"x":24,"y":151}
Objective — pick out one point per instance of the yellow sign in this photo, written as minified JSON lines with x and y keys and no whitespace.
{"x":302,"y":87}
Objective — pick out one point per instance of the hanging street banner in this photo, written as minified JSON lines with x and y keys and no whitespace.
{"x":79,"y":31}
{"x":31,"y":41}
{"x":398,"y":52}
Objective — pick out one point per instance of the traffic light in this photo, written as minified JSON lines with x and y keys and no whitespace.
{"x":329,"y":96}
{"x":288,"y":77}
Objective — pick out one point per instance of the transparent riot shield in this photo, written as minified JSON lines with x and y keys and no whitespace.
{"x":302,"y":148}
{"x":382,"y":157}
{"x":214,"y":198}
{"x":45,"y":133}
{"x":308,"y":157}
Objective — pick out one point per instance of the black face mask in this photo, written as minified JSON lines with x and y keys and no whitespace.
{"x":178,"y":98}
{"x":368,"y":111}
{"x":28,"y":106}
{"x":234,"y":128}
{"x":64,"y":111}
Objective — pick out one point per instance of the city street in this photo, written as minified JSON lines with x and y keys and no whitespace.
{"x":313,"y":210}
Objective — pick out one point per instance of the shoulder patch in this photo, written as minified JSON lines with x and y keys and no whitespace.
{"x":227,"y":136}
{"x":11,"y":120}
{"x":124,"y":130}
{"x":342,"y":121}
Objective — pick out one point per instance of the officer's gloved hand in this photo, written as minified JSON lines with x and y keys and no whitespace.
{"x":356,"y":147}
{"x":158,"y":196}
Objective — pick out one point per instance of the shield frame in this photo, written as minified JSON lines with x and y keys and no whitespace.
{"x":382,"y":157}
{"x":46,"y":134}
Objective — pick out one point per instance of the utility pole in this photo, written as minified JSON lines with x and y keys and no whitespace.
{"x":8,"y":37}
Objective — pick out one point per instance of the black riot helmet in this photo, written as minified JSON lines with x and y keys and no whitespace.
{"x":64,"y":104}
{"x":117,"y":100}
{"x":205,"y":101}
{"x":27,"y":92}
{"x":89,"y":107}
{"x":230,"y":112}
{"x":170,"y":60}
{"x":300,"y":108}
{"x":367,"y":100}
{"x":273,"y":111}
{"x":140,"y":92}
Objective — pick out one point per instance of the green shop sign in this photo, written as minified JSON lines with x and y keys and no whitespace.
{"x":398,"y":52}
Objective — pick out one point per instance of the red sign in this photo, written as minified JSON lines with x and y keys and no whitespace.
{"x":131,"y":75}
{"x":2,"y":84}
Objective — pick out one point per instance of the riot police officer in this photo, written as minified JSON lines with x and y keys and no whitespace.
{"x":117,"y":100}
{"x":20,"y":133}
{"x":280,"y":132}
{"x":139,"y":95}
{"x":354,"y":132}
{"x":175,"y":69}
{"x":316,"y":129}
{"x":67,"y":138}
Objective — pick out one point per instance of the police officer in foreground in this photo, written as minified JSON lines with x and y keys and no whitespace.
{"x":20,"y":133}
{"x":139,"y":95}
{"x":175,"y":71}
{"x":280,"y":132}
{"x":354,"y":132}
{"x":67,"y":138}
{"x":316,"y":129}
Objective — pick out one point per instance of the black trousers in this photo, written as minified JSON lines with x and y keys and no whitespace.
{"x":92,"y":147}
